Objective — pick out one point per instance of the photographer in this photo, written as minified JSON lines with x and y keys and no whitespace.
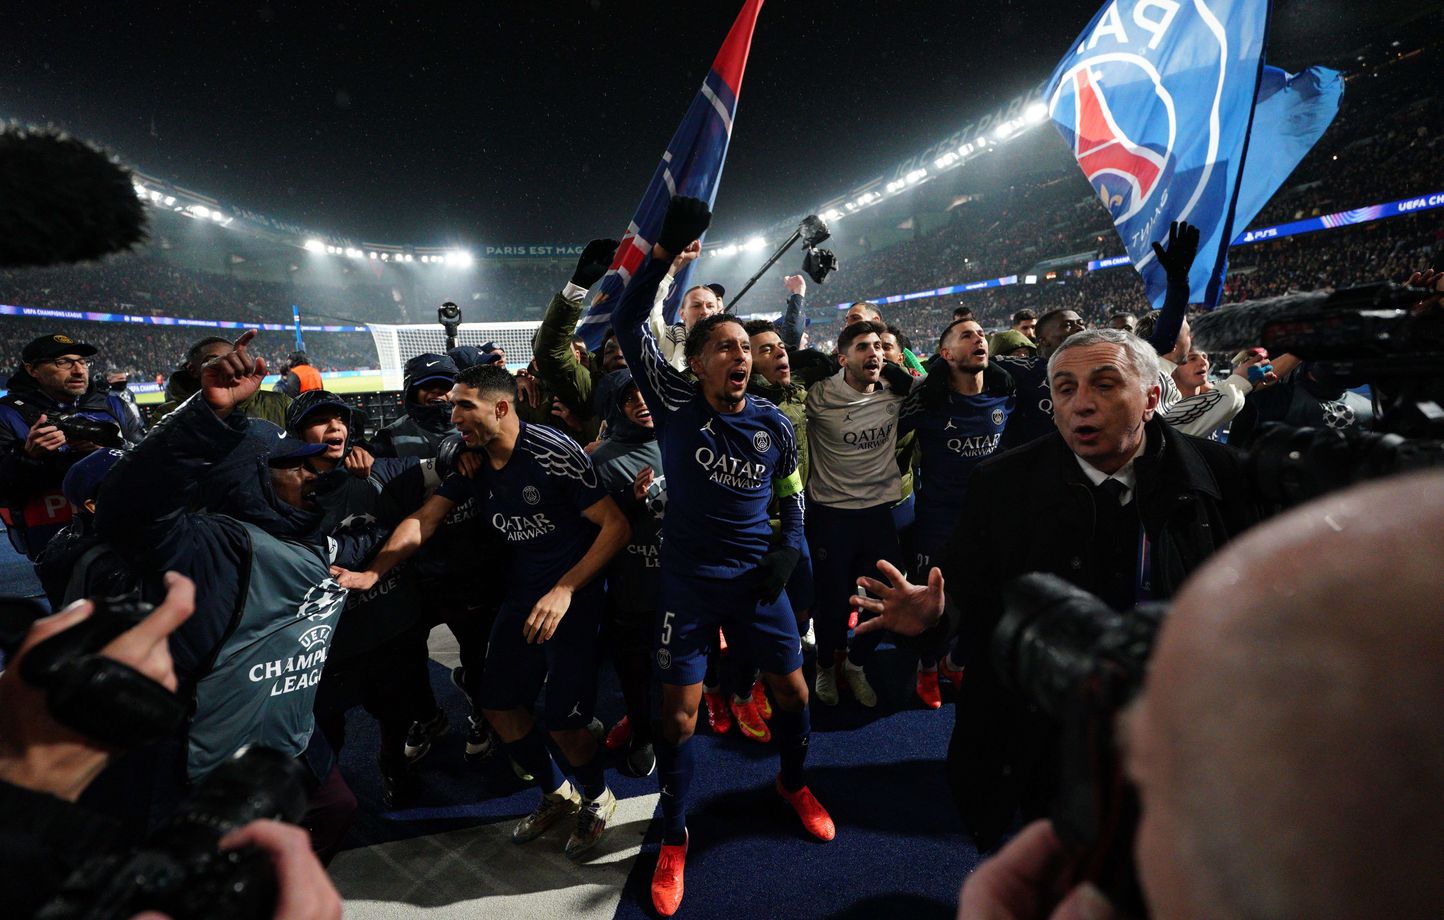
{"x":50,"y":404}
{"x":1285,"y":747}
{"x":44,"y":765}
{"x":1114,"y":501}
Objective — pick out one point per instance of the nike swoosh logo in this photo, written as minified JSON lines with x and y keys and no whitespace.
{"x":432,"y":363}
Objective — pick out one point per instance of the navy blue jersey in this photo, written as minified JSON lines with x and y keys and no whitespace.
{"x":952,"y":439}
{"x":536,"y":503}
{"x":721,"y":468}
{"x":1033,"y":417}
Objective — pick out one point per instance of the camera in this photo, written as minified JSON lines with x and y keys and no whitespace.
{"x":180,"y":871}
{"x":819,"y":263}
{"x":1081,"y":662}
{"x":1288,"y":465}
{"x":449,"y":316}
{"x":81,"y":428}
{"x":99,"y":697}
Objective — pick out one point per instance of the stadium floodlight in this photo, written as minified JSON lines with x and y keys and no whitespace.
{"x":832,"y":214}
{"x":200,"y":210}
{"x":946,"y":160}
{"x":169,"y":201}
{"x":217,"y":216}
{"x":1036,"y":113}
{"x":314,"y":246}
{"x":373,"y":254}
{"x":460,"y":258}
{"x":353,"y":253}
{"x":155,"y":196}
{"x":917,"y":175}
{"x":754,"y":244}
{"x":896,"y":185}
{"x":851,"y":205}
{"x":140,"y":190}
{"x":981,"y":142}
{"x":731,"y":249}
{"x":385,"y":257}
{"x":867,"y":198}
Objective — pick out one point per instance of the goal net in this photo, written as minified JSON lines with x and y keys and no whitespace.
{"x":396,"y":344}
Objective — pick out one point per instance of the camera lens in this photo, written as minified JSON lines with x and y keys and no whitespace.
{"x":1046,"y":643}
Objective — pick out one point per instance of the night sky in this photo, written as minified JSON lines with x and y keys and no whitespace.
{"x":537,"y":121}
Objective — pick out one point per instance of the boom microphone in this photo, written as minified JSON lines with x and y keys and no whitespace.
{"x":1236,"y":326}
{"x":62,"y":200}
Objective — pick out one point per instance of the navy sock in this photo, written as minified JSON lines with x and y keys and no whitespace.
{"x":590,"y":778}
{"x":674,"y":775}
{"x":792,"y":731}
{"x":531,"y":752}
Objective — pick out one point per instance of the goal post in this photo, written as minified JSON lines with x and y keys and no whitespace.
{"x":396,"y":344}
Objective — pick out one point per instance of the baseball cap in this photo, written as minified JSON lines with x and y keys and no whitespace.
{"x":717,"y":289}
{"x":82,"y":480}
{"x":427,"y":367}
{"x":280,"y":447}
{"x":53,"y":346}
{"x":314,"y":401}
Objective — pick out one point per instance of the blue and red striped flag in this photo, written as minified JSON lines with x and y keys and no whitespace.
{"x":691,"y":166}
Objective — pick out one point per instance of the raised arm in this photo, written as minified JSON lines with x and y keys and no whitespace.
{"x":1176,"y":260}
{"x":790,"y":327}
{"x":556,"y":360}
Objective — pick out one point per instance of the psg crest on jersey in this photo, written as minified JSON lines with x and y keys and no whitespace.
{"x":531,"y":496}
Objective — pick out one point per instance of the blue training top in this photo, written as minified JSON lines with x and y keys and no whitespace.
{"x":952,"y":439}
{"x":535,"y":501}
{"x":721,"y":468}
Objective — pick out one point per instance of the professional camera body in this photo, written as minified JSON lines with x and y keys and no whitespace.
{"x":99,"y":697}
{"x":180,"y":871}
{"x":1081,"y":662}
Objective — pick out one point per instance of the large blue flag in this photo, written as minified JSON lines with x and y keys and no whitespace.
{"x":1172,"y":115}
{"x":691,"y":166}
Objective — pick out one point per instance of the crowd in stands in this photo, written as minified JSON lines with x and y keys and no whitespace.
{"x":145,"y":353}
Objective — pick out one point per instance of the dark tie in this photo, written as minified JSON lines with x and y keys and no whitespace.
{"x":1112,"y":491}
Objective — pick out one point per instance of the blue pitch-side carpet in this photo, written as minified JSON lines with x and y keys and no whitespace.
{"x":899,"y":850}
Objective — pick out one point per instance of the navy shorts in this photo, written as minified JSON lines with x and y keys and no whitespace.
{"x":567,"y":662}
{"x":694,"y":608}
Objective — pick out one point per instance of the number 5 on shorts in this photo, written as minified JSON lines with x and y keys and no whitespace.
{"x":667,"y":628}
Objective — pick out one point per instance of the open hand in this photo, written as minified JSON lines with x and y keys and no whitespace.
{"x":1178,"y":258}
{"x":901,"y":607}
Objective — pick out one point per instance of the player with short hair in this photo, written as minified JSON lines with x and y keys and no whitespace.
{"x":534,"y":484}
{"x":725,"y":454}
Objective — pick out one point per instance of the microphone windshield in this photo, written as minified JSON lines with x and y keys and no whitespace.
{"x":62,"y":200}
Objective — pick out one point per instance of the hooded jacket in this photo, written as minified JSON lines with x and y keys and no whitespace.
{"x":266,"y":404}
{"x":266,"y":605}
{"x":34,"y":507}
{"x":633,"y":577}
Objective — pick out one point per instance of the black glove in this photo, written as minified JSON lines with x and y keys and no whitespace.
{"x":773,"y":572}
{"x":595,"y":261}
{"x":687,"y":219}
{"x":897,"y":378}
{"x":1177,"y":259}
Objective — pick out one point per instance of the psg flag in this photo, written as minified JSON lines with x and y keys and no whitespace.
{"x":1172,"y":115}
{"x":691,"y":166}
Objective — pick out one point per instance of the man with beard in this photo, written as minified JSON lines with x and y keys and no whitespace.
{"x":627,"y":461}
{"x":185,"y":380}
{"x":53,"y":380}
{"x":725,"y":456}
{"x":535,"y":484}
{"x":854,"y":484}
{"x":958,"y":413}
